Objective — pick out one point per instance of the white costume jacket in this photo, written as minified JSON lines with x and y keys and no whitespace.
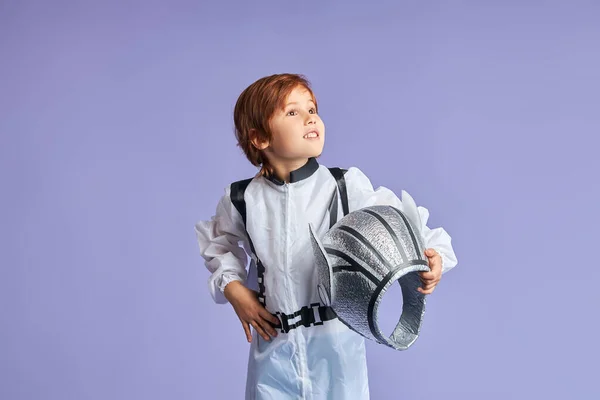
{"x":314,"y":356}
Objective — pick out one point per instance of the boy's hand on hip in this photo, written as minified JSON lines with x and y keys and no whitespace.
{"x":432,"y":278}
{"x":250,"y":311}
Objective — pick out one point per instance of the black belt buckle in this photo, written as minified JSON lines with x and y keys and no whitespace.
{"x":317,"y":310}
{"x":315,"y":314}
{"x":307,"y":316}
{"x":285,"y":327}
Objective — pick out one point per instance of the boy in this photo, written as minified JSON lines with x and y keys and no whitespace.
{"x":314,"y":355}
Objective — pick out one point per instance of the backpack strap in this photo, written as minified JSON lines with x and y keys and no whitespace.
{"x":338,"y":174}
{"x":237,"y":199}
{"x":333,"y":209}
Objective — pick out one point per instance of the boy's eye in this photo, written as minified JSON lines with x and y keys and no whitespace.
{"x":294,"y":112}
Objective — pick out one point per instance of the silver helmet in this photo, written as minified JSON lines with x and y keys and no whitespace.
{"x":361,"y":256}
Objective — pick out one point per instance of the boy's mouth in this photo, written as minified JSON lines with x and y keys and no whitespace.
{"x":312,"y":135}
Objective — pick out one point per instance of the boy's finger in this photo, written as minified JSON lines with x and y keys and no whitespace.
{"x":269,"y":317}
{"x":426,"y":291}
{"x":436,"y":264}
{"x":430,"y":279}
{"x":427,"y":275}
{"x":434,"y":269}
{"x":260,"y":330}
{"x":432,"y":253}
{"x":247,"y":331}
{"x":268,"y":328}
{"x":430,"y":276}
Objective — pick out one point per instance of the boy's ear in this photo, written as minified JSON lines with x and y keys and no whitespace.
{"x":257,"y":141}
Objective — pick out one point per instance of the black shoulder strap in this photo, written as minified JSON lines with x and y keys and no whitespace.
{"x":338,"y":174}
{"x":237,"y":199}
{"x":237,"y":196}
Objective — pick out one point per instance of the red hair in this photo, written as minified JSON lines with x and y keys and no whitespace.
{"x":256,"y":106}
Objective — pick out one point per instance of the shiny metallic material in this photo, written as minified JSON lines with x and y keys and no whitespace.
{"x":361,"y":256}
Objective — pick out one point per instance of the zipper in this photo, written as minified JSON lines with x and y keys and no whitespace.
{"x":286,"y":254}
{"x":301,"y":341}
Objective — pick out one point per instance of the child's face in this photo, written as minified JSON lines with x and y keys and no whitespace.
{"x":298,"y":132}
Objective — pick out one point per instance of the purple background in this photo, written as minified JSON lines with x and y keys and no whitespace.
{"x":116,"y":137}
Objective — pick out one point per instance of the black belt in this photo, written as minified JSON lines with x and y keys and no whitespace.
{"x":315,"y":314}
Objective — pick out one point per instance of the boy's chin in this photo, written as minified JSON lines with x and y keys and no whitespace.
{"x":316,"y":152}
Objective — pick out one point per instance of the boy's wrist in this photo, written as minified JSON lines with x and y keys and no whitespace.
{"x":231,"y":287}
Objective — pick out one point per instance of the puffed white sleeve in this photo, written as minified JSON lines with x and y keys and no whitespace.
{"x":362,"y":194}
{"x":221,"y":245}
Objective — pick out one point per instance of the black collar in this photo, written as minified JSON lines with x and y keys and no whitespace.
{"x":305,"y":171}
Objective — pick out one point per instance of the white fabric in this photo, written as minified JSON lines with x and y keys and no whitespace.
{"x":319,"y":362}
